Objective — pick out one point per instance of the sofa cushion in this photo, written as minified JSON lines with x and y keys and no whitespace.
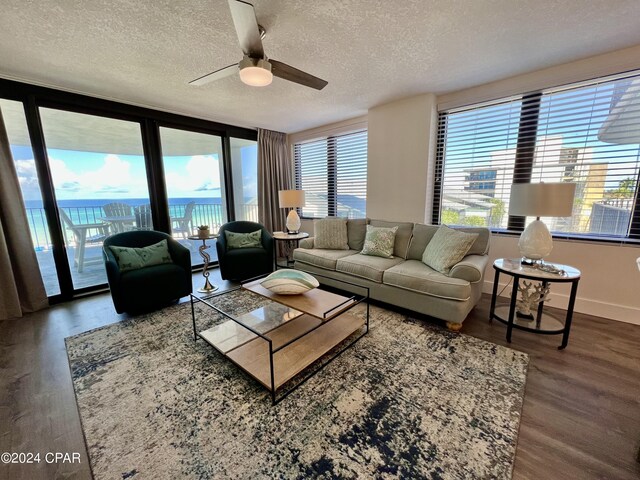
{"x":320,"y":257}
{"x":379,"y":241}
{"x":331,"y":233}
{"x":356,"y":231}
{"x":403,"y":235}
{"x":446,"y":248}
{"x":364,"y":266}
{"x":415,"y":276}
{"x":422,"y":235}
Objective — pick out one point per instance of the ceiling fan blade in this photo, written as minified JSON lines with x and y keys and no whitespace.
{"x":244,"y":19}
{"x":292,"y":74}
{"x":218,"y":74}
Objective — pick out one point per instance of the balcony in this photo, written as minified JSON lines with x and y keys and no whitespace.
{"x":92,"y":272}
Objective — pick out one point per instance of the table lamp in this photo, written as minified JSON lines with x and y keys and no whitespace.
{"x":539,"y":200}
{"x":292,"y":199}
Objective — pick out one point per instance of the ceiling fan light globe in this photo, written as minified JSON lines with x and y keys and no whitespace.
{"x":255,"y":71}
{"x":256,"y":76}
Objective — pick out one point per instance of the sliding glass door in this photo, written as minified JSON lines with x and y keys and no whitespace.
{"x":194,"y":178}
{"x":99,"y":177}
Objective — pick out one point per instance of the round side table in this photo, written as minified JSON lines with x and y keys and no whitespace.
{"x":543,"y":323}
{"x":286,"y":237}
{"x":208,"y":287}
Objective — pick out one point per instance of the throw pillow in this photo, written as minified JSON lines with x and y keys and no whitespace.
{"x":243,"y":240}
{"x":331,"y":234}
{"x":289,"y":282}
{"x":446,"y":248}
{"x":130,"y":258}
{"x":379,"y":241}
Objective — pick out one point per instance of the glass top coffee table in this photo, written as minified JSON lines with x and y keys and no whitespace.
{"x":276,"y":342}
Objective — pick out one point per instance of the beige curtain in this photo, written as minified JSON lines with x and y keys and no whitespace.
{"x":274,"y":173}
{"x":21,"y":287}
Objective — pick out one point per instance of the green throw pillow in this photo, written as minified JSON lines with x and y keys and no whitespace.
{"x":289,"y":282}
{"x":379,"y":241}
{"x":446,"y":248}
{"x":243,"y":240}
{"x":130,"y":258}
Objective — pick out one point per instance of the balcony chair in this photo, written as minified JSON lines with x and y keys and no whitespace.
{"x":147,"y":288}
{"x":120,"y":216}
{"x":143,"y":217}
{"x":184,"y":224}
{"x":243,"y":263}
{"x":82,"y":235}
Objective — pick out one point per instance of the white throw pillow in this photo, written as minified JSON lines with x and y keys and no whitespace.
{"x":289,"y":282}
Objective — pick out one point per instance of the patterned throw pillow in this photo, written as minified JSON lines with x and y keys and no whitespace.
{"x":130,"y":258}
{"x":446,"y":248}
{"x":379,"y":241}
{"x":331,"y":234}
{"x":289,"y":282}
{"x":243,"y":240}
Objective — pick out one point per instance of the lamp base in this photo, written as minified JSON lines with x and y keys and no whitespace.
{"x":535,"y":242}
{"x":293,"y":221}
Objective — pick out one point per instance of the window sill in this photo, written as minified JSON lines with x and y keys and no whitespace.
{"x":565,"y":237}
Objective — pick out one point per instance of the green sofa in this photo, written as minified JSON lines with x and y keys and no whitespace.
{"x":403,"y":280}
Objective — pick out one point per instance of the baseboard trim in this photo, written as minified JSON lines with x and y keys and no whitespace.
{"x":612,"y":311}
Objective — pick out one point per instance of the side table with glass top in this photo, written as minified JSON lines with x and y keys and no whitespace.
{"x":544,"y":323}
{"x":208,"y":287}
{"x":289,"y":238}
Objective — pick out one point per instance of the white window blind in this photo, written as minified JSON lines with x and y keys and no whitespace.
{"x":333,"y":173}
{"x":588,"y":134}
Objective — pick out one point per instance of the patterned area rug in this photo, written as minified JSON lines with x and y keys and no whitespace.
{"x":409,"y":400}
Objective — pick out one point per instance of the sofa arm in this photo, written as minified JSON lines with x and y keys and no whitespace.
{"x":306,"y":243}
{"x":470,"y":268}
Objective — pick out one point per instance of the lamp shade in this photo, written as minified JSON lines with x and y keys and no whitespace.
{"x":542,"y":199}
{"x":291,"y":198}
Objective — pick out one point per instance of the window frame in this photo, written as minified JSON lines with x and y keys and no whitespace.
{"x":524,"y":163}
{"x":332,"y":168}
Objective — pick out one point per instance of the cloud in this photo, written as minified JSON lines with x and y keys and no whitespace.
{"x":200,"y":174}
{"x":113,"y":176}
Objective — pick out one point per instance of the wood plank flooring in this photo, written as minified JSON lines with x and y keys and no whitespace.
{"x":581,"y":416}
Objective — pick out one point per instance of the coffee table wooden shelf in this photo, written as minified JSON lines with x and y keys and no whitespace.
{"x":277,"y":342}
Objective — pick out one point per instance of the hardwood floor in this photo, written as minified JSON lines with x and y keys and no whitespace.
{"x":581,"y":416}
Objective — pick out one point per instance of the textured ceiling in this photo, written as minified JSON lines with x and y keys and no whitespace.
{"x":145,"y":51}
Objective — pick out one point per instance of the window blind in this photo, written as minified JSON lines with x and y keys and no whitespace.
{"x":333,"y":173}
{"x":587,"y":134}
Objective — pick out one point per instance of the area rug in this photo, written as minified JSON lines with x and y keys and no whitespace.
{"x":409,"y":400}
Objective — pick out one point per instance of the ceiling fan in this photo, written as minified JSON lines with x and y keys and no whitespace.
{"x":255,"y":68}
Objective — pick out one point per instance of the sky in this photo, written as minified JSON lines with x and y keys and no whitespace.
{"x":86,"y":175}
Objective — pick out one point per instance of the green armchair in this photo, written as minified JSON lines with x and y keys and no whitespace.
{"x":243,"y":263}
{"x":152,"y":287}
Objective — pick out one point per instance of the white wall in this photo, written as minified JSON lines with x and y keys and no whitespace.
{"x":400,"y":162}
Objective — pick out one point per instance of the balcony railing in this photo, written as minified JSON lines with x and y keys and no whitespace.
{"x":203,"y":214}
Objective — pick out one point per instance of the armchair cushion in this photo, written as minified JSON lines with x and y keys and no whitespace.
{"x":131,"y":258}
{"x":243,"y":240}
